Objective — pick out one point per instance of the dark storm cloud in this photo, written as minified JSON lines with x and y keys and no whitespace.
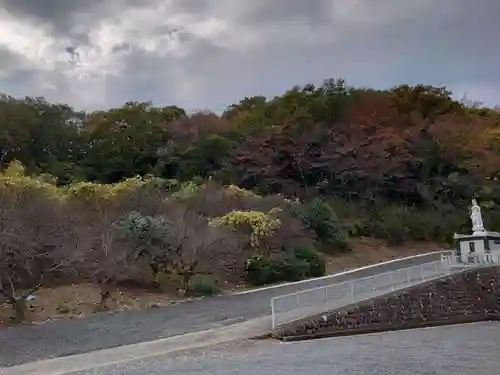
{"x":58,"y":13}
{"x":209,"y":53}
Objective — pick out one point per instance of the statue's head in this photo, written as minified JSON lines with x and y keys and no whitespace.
{"x":474,"y":202}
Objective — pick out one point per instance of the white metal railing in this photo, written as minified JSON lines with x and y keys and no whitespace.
{"x":293,"y":306}
{"x":471,"y":260}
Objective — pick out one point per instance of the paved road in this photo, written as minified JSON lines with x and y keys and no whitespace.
{"x":472,"y":349}
{"x":99,"y":331}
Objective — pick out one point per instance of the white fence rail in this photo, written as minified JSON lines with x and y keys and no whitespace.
{"x":293,"y":306}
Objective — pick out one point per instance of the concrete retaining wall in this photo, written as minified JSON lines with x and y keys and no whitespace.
{"x":471,"y":296}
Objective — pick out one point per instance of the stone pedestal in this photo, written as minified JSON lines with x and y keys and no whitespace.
{"x":480,"y":247}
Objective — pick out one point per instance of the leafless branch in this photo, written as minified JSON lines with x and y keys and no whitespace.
{"x":37,"y":238}
{"x":197,"y":247}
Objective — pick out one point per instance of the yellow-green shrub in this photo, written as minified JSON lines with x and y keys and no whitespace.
{"x":234,"y":190}
{"x":14,"y":181}
{"x":91,"y":191}
{"x":106,"y":200}
{"x":259,"y":223}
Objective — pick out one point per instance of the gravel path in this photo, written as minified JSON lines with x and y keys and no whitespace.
{"x":27,"y":344}
{"x":472,"y":349}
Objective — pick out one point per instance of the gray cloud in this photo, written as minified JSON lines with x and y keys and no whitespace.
{"x":210,"y":53}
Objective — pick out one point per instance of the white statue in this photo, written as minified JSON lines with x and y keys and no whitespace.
{"x":475,"y":216}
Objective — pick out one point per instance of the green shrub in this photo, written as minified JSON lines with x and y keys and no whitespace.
{"x":204,"y":288}
{"x":398,"y":224}
{"x":319,"y":217}
{"x":317,"y":266}
{"x":357,"y":228}
{"x":302,"y":263}
{"x":262,"y":270}
{"x":292,"y":269}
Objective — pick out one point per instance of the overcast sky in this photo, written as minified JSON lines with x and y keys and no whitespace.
{"x":207,"y":54}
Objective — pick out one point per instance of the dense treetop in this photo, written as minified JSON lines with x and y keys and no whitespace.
{"x":413,"y":144}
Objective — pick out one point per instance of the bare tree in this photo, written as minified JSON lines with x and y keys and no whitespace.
{"x":38,"y":241}
{"x":109,"y":256}
{"x":198,"y":248}
{"x":290,"y":234}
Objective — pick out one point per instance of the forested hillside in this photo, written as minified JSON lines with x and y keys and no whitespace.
{"x":256,"y":194}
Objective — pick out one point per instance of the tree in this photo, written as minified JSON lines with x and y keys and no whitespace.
{"x":365,"y":154}
{"x":319,"y":217}
{"x":44,"y":137}
{"x":198,"y":145}
{"x":197,"y":248}
{"x":97,"y":208}
{"x":39,"y":238}
{"x":278,"y":159}
{"x":368,"y":151}
{"x":109,"y":259}
{"x":147,"y":237}
{"x":124,"y":142}
{"x":425,"y":101}
{"x":470,"y":143}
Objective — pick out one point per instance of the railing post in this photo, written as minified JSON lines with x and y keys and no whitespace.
{"x":391,"y":279}
{"x":298,"y":300}
{"x":422,"y":272}
{"x":351,"y":286}
{"x":408,"y":276}
{"x":326,"y":294}
{"x":273,"y":318}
